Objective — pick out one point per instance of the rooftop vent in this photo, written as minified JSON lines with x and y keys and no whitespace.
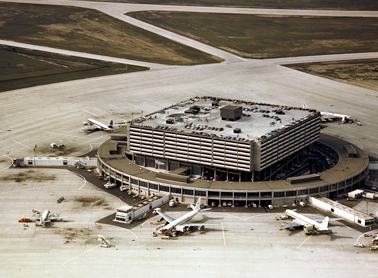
{"x":231,"y":113}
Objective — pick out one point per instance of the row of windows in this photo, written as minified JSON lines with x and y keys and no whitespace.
{"x":248,"y":195}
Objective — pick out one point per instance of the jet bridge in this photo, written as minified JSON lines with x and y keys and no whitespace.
{"x":342,"y":211}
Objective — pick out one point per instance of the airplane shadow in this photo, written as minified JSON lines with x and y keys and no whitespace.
{"x":296,"y":231}
{"x":47,"y":226}
{"x":334,"y":236}
{"x":206,"y":218}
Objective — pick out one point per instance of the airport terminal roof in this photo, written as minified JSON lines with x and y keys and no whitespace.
{"x":202,"y":115}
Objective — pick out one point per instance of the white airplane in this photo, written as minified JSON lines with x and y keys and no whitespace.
{"x":310,"y":225}
{"x":181,"y":224}
{"x":97,"y":125}
{"x":329,"y":116}
{"x":45,"y":217}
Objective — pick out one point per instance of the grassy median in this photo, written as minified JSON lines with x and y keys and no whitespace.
{"x":90,"y":31}
{"x":363,"y":73}
{"x":21,"y":68}
{"x":367,"y":5}
{"x":267,"y":36}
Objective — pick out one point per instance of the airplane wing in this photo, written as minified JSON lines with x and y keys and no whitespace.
{"x":166,"y":217}
{"x":198,"y":224}
{"x":292,"y":224}
{"x":120,"y":125}
{"x":54,"y":218}
{"x":91,"y":127}
{"x":321,"y":219}
{"x":33,"y":218}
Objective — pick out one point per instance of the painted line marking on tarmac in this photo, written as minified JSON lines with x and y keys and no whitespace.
{"x":224,"y":237}
{"x":305,"y":241}
{"x":26,"y":189}
{"x":63,"y":134}
{"x":8,"y":165}
{"x":54,"y":210}
{"x":81,"y":254}
{"x":23,"y":145}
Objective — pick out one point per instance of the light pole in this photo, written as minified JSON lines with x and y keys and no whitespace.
{"x":35,"y":147}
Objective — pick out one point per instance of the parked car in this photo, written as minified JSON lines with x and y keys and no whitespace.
{"x":109,"y":185}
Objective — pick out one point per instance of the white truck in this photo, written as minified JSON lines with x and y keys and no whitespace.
{"x":355,"y":193}
{"x":172,"y":203}
{"x":56,"y":146}
{"x":368,"y":195}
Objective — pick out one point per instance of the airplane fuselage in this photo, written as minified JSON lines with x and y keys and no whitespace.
{"x":334,"y":115}
{"x":183,"y":219}
{"x":302,"y":220}
{"x":44,"y":216}
{"x":100,"y":125}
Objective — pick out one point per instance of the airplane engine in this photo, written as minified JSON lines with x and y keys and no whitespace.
{"x":180,"y":229}
{"x":201,"y":228}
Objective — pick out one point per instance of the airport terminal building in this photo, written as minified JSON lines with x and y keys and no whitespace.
{"x":230,"y":152}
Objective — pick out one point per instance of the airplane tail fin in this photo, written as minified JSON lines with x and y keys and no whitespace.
{"x":111,"y":124}
{"x":324,"y":225}
{"x":304,"y":105}
{"x":198,"y":204}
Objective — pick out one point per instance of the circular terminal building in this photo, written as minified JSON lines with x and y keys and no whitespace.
{"x":231,"y":153}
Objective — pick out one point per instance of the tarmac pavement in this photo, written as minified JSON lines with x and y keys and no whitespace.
{"x":245,"y":243}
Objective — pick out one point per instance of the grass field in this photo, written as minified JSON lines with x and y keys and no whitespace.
{"x":367,"y":5}
{"x":21,"y":68}
{"x":255,"y":36}
{"x":90,"y":31}
{"x":363,"y":73}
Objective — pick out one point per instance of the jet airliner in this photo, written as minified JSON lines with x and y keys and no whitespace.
{"x":310,"y":225}
{"x":181,"y":224}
